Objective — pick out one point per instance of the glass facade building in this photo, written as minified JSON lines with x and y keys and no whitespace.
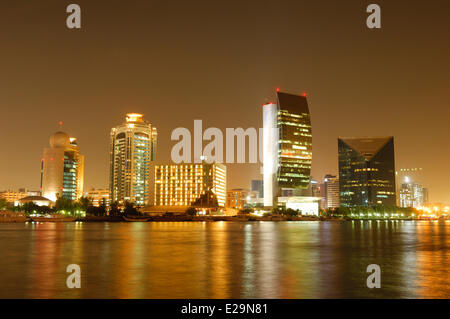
{"x":70,"y":176}
{"x":62,"y":169}
{"x":412,"y":194}
{"x":366,"y":171}
{"x":295,"y":143}
{"x":133,"y":148}
{"x":287,"y":147}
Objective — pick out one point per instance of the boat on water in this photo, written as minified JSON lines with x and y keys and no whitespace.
{"x":136,"y":218}
{"x":12,"y":217}
{"x":53,"y":218}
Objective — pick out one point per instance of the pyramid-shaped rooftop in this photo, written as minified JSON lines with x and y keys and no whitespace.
{"x":367,"y":146}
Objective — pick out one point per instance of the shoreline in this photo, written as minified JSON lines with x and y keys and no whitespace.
{"x":184,"y":218}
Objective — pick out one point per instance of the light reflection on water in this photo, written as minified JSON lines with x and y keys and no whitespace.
{"x":226,"y":260}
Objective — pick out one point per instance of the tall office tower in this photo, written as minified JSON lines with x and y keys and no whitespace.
{"x":331,"y":189}
{"x":412,"y":194}
{"x":182,"y":184}
{"x":287,"y":148}
{"x":62,"y":169}
{"x":133,"y":148}
{"x":366,"y":171}
{"x":415,"y":174}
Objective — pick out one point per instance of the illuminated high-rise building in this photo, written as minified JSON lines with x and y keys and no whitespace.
{"x":287,"y":148}
{"x":62,"y":169}
{"x":404,"y":179}
{"x":366,"y":171}
{"x":182,"y":184}
{"x":132,"y":149}
{"x":412,"y":194}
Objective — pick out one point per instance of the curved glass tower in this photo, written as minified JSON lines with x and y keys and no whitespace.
{"x":133,"y":148}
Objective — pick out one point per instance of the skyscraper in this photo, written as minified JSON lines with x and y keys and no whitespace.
{"x":133,"y":148}
{"x":366,"y":171}
{"x":62,"y":169}
{"x":287,"y":147}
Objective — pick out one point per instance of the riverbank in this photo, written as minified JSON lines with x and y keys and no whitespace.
{"x":238,"y":218}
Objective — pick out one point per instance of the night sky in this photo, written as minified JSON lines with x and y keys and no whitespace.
{"x":219,"y":61}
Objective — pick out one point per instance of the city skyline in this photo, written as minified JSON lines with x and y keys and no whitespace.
{"x":343,"y":68}
{"x":224,"y":158}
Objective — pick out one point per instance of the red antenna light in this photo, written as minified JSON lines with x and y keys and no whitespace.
{"x":278,"y":89}
{"x":304,"y":94}
{"x":60,"y":123}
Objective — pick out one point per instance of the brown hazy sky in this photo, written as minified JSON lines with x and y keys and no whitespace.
{"x":218,"y":61}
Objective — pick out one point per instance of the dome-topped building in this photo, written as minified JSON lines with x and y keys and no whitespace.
{"x":60,"y":139}
{"x":62,"y":168}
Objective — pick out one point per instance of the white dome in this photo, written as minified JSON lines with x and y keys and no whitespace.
{"x":60,"y":139}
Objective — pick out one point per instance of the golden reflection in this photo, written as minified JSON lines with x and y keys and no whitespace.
{"x":124,"y":273}
{"x":176,"y":263}
{"x":299,"y":257}
{"x":269,"y":266}
{"x":248,"y":270}
{"x":229,"y":260}
{"x":219,"y":267}
{"x":432,"y":255}
{"x":45,"y":266}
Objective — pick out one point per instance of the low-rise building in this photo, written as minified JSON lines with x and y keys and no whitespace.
{"x":183,"y":184}
{"x":237,"y":198}
{"x":38,"y":200}
{"x":14,"y":196}
{"x":99,"y":197}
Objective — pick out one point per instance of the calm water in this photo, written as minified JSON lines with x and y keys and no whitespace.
{"x":226,"y":260}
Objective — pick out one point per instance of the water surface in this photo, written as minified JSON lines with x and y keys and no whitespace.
{"x":226,"y":259}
